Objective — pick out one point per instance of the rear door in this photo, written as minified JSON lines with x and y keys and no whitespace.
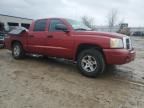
{"x":37,"y":36}
{"x":59,"y":43}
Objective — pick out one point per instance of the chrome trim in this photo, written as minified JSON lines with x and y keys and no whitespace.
{"x":132,"y":52}
{"x":125,"y":44}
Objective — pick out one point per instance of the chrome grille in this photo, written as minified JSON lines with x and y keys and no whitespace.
{"x":127,"y":43}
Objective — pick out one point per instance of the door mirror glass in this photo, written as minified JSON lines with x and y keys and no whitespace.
{"x":61,"y":27}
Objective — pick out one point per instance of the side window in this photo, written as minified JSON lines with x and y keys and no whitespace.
{"x":40,"y":25}
{"x":53,"y":24}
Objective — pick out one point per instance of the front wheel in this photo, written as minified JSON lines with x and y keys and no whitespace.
{"x":91,"y":62}
{"x":17,"y":51}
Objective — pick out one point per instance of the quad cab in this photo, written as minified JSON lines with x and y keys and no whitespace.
{"x":70,"y":39}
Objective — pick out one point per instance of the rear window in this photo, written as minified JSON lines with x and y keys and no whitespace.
{"x":40,"y":25}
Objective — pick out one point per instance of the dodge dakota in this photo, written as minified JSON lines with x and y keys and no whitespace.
{"x":71,"y":39}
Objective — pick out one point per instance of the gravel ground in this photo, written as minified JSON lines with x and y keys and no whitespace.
{"x":35,"y":82}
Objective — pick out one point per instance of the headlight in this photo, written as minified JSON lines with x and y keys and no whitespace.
{"x":116,"y":43}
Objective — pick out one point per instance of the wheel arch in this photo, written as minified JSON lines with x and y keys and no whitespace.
{"x":15,"y":41}
{"x":85,"y":46}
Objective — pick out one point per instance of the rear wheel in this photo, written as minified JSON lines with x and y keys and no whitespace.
{"x":91,"y":62}
{"x":17,"y":51}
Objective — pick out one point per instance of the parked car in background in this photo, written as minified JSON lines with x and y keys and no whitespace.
{"x":138,"y":33}
{"x":2,"y":36}
{"x":70,"y":39}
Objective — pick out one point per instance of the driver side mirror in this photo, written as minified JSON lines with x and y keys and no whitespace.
{"x":61,"y":27}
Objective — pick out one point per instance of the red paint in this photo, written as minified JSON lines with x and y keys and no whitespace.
{"x":65,"y":45}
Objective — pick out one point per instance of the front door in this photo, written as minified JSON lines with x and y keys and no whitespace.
{"x":59,"y":43}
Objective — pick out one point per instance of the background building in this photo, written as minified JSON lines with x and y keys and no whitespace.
{"x":13,"y":21}
{"x":122,"y":28}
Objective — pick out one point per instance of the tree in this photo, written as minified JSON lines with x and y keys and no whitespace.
{"x":89,"y":22}
{"x":112,"y":18}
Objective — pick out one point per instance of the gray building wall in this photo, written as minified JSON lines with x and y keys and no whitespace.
{"x":134,"y":29}
{"x":115,"y":29}
{"x":107,"y":29}
{"x":12,"y":19}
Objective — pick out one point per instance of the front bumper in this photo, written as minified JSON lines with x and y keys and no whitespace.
{"x":119,"y":56}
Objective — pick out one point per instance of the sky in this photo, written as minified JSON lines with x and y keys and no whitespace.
{"x":128,"y":11}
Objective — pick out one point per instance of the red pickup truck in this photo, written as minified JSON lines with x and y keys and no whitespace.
{"x":70,"y":39}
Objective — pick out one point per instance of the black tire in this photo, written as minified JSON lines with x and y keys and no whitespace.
{"x":97,"y":56}
{"x":20,"y":53}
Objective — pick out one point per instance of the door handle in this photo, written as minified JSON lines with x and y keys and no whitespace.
{"x":50,"y":36}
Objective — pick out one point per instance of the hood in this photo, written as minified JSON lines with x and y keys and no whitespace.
{"x":96,"y":33}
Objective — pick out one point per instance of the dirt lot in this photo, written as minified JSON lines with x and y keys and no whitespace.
{"x":36,"y":82}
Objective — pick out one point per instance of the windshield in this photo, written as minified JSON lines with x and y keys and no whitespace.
{"x":77,"y":25}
